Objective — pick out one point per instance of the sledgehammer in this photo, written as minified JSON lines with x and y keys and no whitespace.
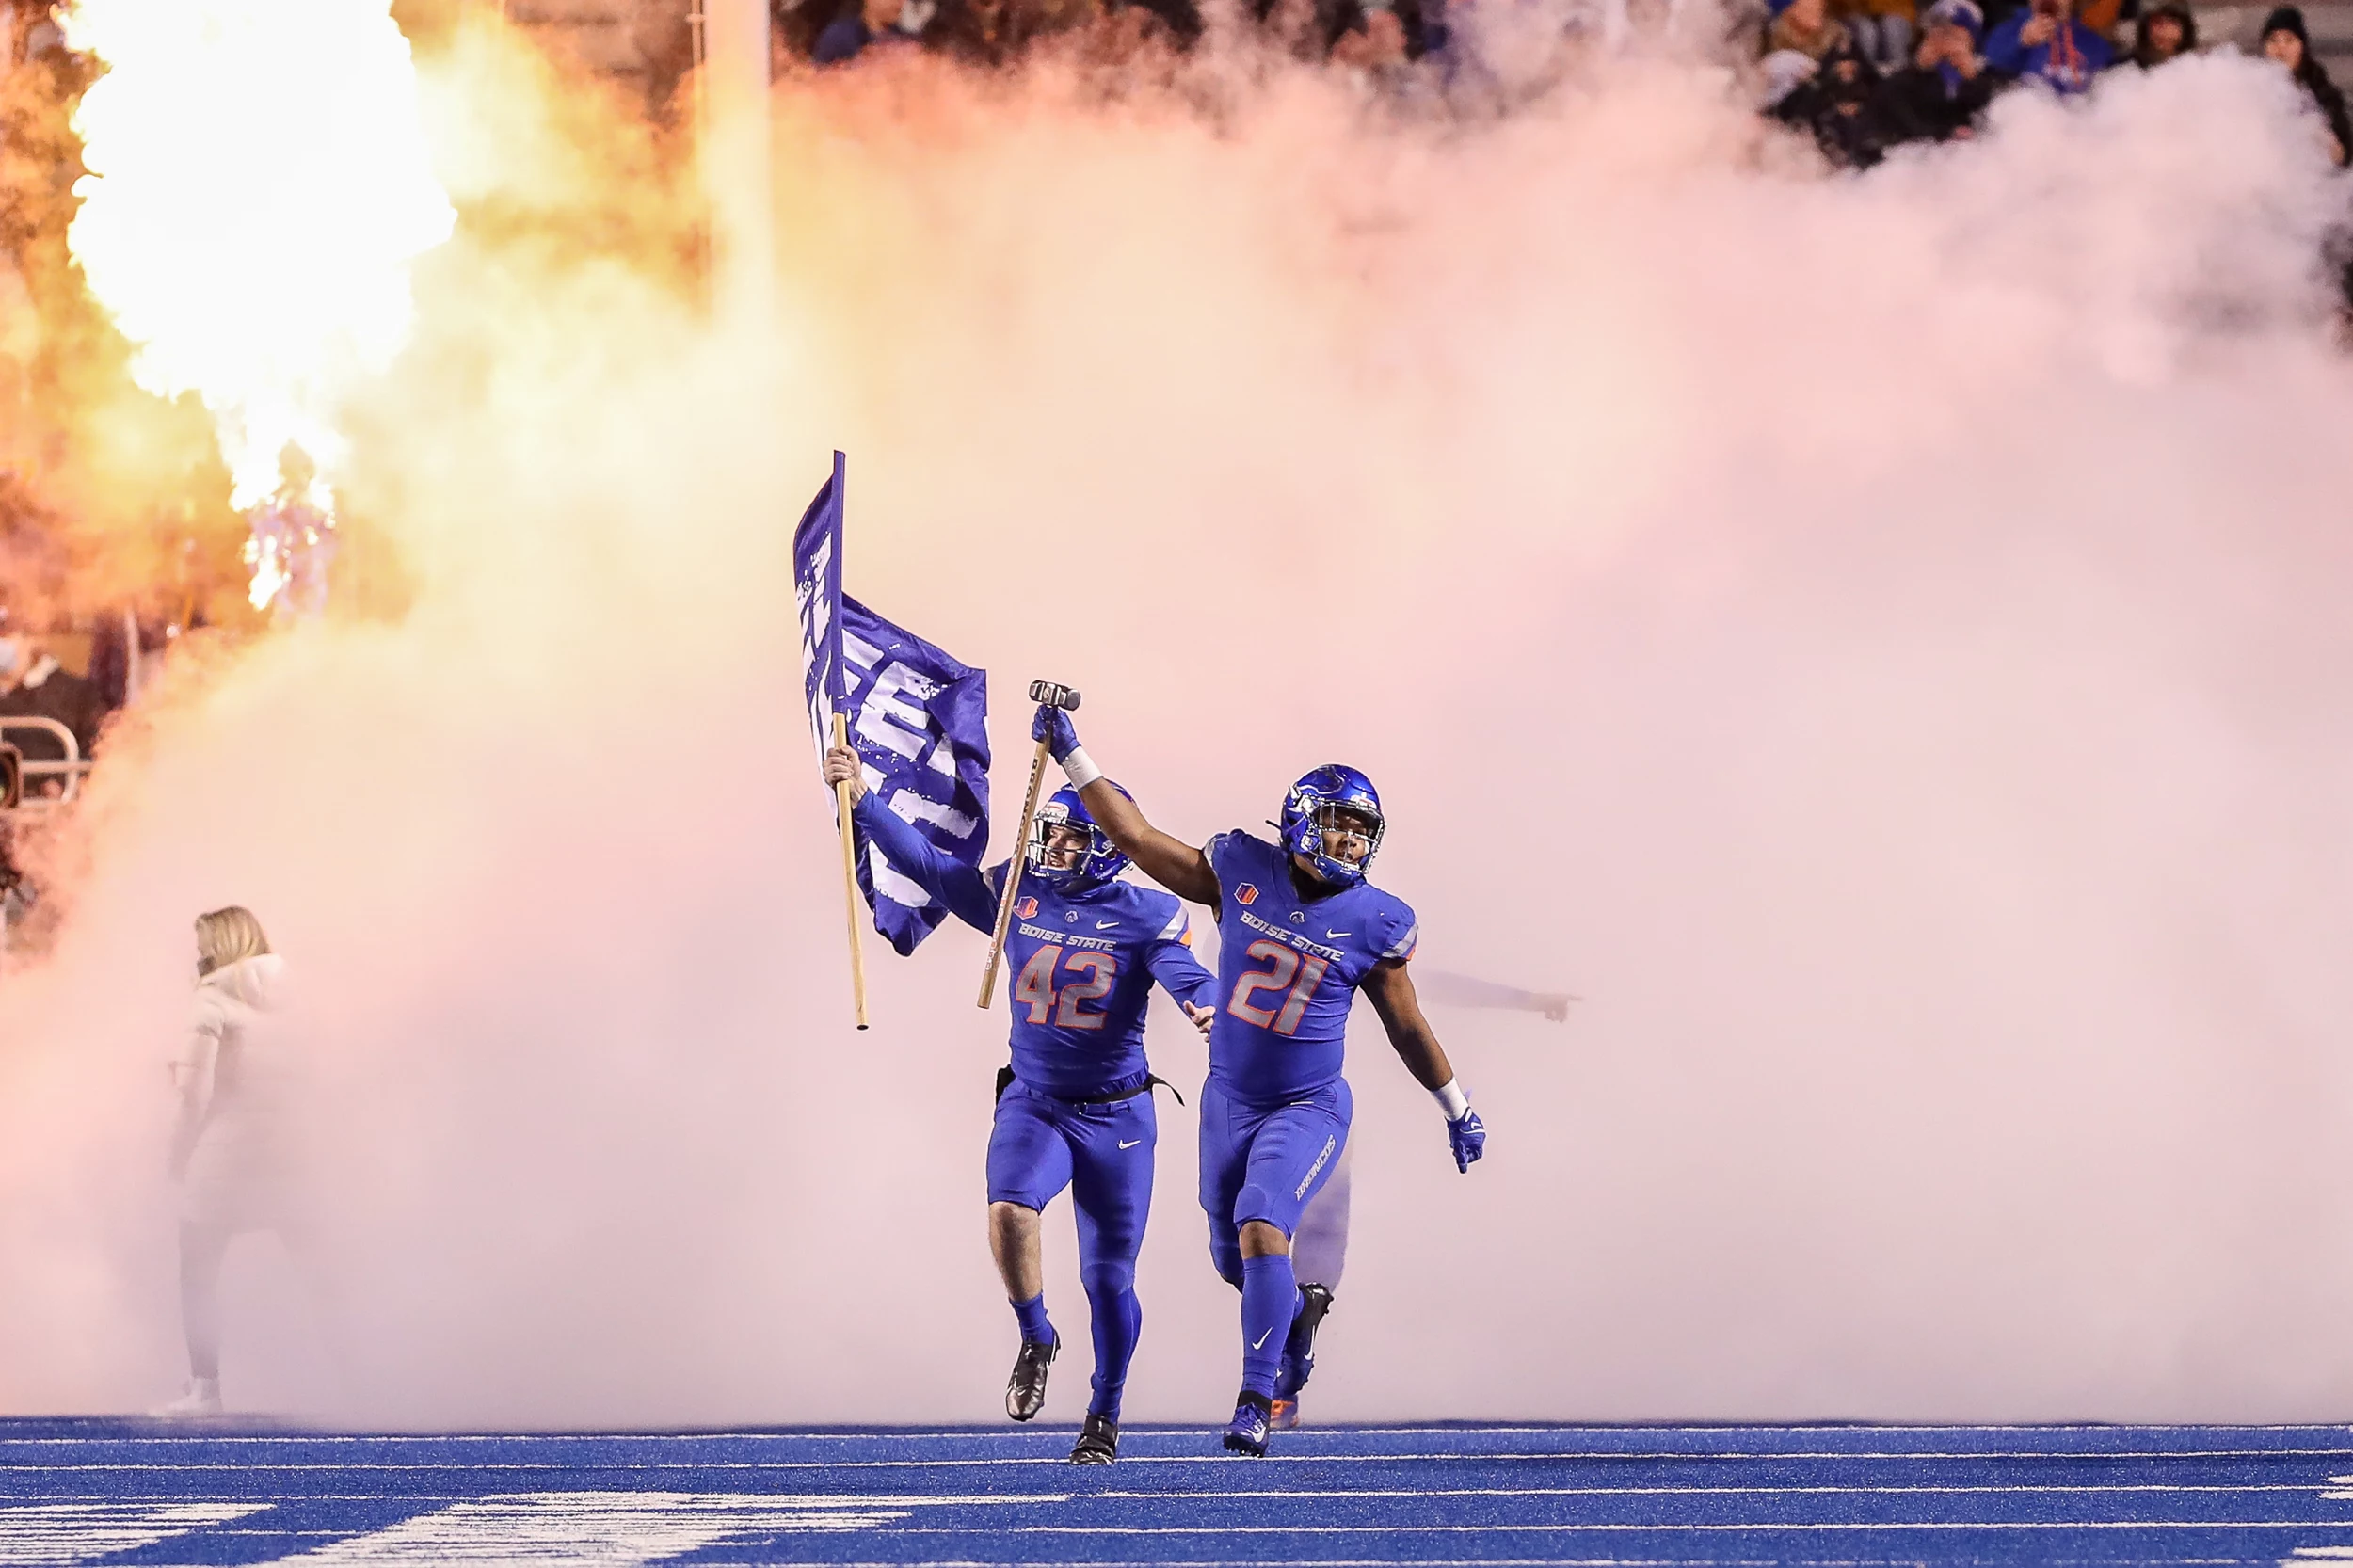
{"x":1051,"y":696}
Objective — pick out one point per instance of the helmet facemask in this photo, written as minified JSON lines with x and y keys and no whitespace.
{"x":1329,"y":816}
{"x":1321,"y":803}
{"x":1096,"y":861}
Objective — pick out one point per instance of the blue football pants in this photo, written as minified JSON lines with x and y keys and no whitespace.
{"x":1266,"y":1163}
{"x":1103,"y":1153}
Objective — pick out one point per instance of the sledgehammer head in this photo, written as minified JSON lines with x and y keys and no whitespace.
{"x":1053,"y":695}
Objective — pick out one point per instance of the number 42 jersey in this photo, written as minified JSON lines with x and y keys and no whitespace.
{"x":1287,"y":969}
{"x":1081,"y":964}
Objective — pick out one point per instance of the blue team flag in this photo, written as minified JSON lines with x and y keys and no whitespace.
{"x":917,"y":717}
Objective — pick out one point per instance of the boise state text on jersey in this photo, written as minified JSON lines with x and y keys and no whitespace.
{"x":1289,"y":969}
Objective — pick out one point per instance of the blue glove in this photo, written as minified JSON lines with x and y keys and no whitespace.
{"x":1468,"y":1137}
{"x":1054,"y":726}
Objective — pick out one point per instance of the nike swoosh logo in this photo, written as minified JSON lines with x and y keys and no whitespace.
{"x":1105,"y":926}
{"x":1329,"y":933}
{"x":1132,"y":1142}
{"x":1260,"y":1341}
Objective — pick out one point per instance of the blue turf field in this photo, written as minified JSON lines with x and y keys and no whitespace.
{"x":120,"y":1492}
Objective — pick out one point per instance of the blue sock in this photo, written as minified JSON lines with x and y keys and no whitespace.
{"x":1036,"y":1328}
{"x":1269,"y":1299}
{"x":1118,"y":1318}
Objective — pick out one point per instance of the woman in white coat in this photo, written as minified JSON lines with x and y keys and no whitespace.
{"x":229,"y":1147}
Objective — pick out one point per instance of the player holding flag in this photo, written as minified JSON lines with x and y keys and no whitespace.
{"x":1301,"y":932}
{"x":1075,"y":1108}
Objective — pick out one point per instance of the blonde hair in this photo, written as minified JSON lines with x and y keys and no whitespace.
{"x":225,"y":935}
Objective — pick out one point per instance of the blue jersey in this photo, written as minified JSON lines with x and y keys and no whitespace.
{"x":1080,"y":966}
{"x":1288,"y":970}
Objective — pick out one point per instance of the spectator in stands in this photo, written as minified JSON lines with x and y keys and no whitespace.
{"x":1786,"y":72}
{"x":2164,"y":33}
{"x":1965,"y":14}
{"x":2046,"y":43}
{"x":1837,"y":104}
{"x":861,"y":24}
{"x":1882,"y":30}
{"x":2286,"y":41}
{"x":1939,"y":96}
{"x":35,"y":685}
{"x":2106,"y":17}
{"x":1807,"y":27}
{"x":792,"y":29}
{"x":978,"y":32}
{"x":995,"y":32}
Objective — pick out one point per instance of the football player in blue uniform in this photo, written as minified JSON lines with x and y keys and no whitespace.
{"x":1075,"y":1108}
{"x":1300,"y":932}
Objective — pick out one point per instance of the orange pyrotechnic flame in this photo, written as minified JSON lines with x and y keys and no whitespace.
{"x":259,"y":187}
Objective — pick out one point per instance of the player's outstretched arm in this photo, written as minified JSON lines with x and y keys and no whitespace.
{"x":1461,"y":990}
{"x":1168,"y":860}
{"x":961,"y":887}
{"x":1391,"y":990}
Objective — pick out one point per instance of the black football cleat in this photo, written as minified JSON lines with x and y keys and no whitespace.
{"x":1025,"y":1391}
{"x":1299,"y":1352}
{"x":1246,"y":1433}
{"x":1099,"y":1442}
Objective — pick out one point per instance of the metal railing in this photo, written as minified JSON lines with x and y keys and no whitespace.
{"x":73,"y":768}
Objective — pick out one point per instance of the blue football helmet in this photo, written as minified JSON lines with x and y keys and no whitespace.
{"x":1321,"y":791}
{"x":1098,"y":863}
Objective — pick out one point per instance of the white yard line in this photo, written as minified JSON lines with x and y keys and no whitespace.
{"x":55,"y":1533}
{"x":594,"y":1529}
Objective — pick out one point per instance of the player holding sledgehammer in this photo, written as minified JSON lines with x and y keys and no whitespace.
{"x":1301,"y":932}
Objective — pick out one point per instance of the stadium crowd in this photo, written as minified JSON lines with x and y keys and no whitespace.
{"x":1862,"y":76}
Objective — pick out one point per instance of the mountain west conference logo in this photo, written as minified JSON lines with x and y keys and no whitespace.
{"x":1027,"y":907}
{"x":1246,"y":894}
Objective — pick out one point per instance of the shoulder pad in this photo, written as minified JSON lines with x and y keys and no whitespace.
{"x":1401,"y":930}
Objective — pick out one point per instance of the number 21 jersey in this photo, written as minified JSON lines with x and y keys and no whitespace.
{"x":1287,"y":969}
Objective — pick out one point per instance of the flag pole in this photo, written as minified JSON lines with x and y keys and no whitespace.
{"x":848,"y":873}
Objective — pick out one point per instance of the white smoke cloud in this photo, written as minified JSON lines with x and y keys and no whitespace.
{"x":1878,"y":639}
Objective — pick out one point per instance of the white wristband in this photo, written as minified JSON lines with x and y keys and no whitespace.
{"x":1451,"y":1099}
{"x":1080,"y":768}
